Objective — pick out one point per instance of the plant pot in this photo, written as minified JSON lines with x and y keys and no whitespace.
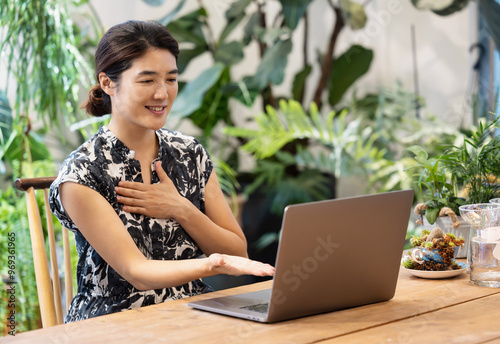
{"x":444,"y":222}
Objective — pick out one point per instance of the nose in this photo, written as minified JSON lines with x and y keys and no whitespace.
{"x":161,"y":91}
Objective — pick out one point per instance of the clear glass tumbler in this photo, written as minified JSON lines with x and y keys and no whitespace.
{"x":484,"y":250}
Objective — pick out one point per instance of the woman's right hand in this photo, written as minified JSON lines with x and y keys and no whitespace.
{"x":235,"y":265}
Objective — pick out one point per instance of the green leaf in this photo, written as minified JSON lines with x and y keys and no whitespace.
{"x":273,"y":64}
{"x":231,"y":25}
{"x":353,"y":13}
{"x":418,"y":151}
{"x":101,"y":120}
{"x":170,"y":16}
{"x":250,"y":28}
{"x":186,"y":55}
{"x":189,"y":28}
{"x":294,"y":10}
{"x":271,"y":35}
{"x":490,"y":11}
{"x":5,"y":118}
{"x":154,"y":3}
{"x":236,"y":8}
{"x":441,"y":7}
{"x":214,"y":107}
{"x":342,"y":146}
{"x":229,"y":53}
{"x":266,"y":240}
{"x":299,"y":82}
{"x":191,"y":96}
{"x":245,"y":91}
{"x":431,"y":214}
{"x":348,"y":68}
{"x":20,"y":147}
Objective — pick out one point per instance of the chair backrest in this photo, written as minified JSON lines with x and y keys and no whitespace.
{"x":49,"y":288}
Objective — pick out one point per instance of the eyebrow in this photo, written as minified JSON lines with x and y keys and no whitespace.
{"x":151,"y":72}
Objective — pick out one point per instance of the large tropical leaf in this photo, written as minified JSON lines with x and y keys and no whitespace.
{"x":231,"y":25}
{"x":170,"y":16}
{"x":293,"y":11}
{"x":348,"y":68}
{"x":26,"y":148}
{"x":214,"y":107}
{"x":236,"y":8}
{"x":191,"y":96}
{"x":189,"y":28}
{"x":229,"y":53}
{"x":299,"y":83}
{"x":249,"y":29}
{"x":273,"y":64}
{"x":234,"y":16}
{"x":186,"y":55}
{"x":245,"y":90}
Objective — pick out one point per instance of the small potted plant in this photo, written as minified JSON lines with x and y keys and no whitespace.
{"x":462,"y":174}
{"x":434,"y":251}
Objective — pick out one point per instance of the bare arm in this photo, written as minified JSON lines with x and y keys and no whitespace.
{"x":216,"y":232}
{"x":109,"y":237}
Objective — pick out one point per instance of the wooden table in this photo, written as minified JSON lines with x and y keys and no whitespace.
{"x":422,"y":311}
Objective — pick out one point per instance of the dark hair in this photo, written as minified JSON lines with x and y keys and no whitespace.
{"x":116,"y":51}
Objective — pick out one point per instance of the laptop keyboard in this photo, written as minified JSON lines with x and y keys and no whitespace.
{"x":260,"y":307}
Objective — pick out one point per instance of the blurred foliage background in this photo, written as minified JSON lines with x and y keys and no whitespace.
{"x":301,"y":147}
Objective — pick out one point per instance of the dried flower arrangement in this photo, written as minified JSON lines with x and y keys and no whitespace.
{"x":444,"y":244}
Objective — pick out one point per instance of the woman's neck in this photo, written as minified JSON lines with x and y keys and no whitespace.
{"x":142,"y":141}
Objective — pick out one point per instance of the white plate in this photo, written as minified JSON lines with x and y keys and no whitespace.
{"x":439,"y":274}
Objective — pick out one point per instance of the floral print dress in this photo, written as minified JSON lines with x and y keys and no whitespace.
{"x":100,"y":163}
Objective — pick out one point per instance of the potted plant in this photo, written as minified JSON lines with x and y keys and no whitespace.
{"x":462,"y":174}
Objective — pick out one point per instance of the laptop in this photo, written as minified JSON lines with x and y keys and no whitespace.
{"x":332,"y":255}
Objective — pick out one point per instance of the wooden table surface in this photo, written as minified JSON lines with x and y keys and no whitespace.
{"x":422,"y":311}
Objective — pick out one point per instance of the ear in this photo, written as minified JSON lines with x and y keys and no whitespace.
{"x":107,"y":84}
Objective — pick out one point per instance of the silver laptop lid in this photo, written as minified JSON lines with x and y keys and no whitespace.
{"x":339,"y":253}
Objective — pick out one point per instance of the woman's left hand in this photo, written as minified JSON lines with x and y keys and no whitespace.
{"x":160,"y":200}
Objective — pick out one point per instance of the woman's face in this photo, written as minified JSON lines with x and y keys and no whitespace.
{"x":146,"y":91}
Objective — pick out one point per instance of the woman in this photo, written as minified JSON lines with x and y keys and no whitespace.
{"x":143,"y":201}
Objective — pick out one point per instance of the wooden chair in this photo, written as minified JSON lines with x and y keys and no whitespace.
{"x":49,"y":290}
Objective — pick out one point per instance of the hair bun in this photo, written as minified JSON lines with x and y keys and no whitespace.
{"x":98,"y":102}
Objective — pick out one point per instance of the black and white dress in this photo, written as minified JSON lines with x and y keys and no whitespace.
{"x":100,"y":163}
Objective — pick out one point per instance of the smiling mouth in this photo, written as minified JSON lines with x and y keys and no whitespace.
{"x":156,"y":108}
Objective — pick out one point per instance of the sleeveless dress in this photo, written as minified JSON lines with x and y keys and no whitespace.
{"x":100,"y":163}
